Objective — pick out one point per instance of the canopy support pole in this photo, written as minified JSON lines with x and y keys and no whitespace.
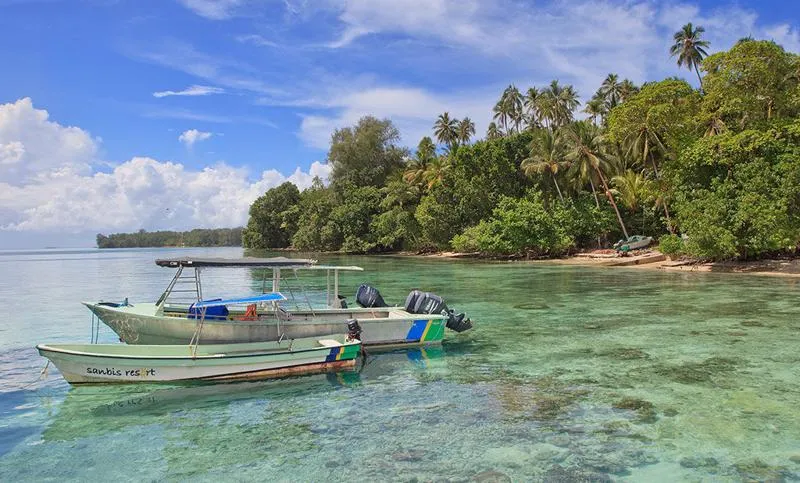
{"x":335,"y":286}
{"x":328,"y":301}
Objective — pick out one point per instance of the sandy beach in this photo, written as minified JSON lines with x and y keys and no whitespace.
{"x":654,"y":260}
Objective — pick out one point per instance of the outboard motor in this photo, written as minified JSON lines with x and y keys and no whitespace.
{"x":427,"y":303}
{"x":353,"y":330}
{"x":369,"y":297}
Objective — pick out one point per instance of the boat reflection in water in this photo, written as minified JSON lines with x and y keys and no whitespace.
{"x":90,"y":411}
{"x":95,"y":410}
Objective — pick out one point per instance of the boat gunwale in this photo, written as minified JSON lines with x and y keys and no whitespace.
{"x":56,"y":350}
{"x":394,"y":313}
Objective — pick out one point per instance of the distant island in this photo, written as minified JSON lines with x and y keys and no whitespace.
{"x":214,"y":237}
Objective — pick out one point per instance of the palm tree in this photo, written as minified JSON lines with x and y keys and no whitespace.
{"x":595,"y":108}
{"x":689,"y":48}
{"x":466,"y":129}
{"x":434,"y":172}
{"x":646,"y":144}
{"x":514,"y":99}
{"x":532,"y":107}
{"x":501,"y":114}
{"x":611,"y":90}
{"x":493,"y":132}
{"x":546,"y":154}
{"x":558,"y":104}
{"x":509,"y":108}
{"x":415,"y":168}
{"x":546,"y":106}
{"x":587,"y":151}
{"x":633,"y":189}
{"x":445,"y":129}
{"x":568,"y":102}
{"x":626,"y":89}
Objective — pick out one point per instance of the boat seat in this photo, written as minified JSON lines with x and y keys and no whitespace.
{"x":330,"y":343}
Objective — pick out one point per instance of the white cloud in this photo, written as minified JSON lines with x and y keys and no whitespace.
{"x":412,"y":110}
{"x":140,"y":193}
{"x":220,"y":70}
{"x":212,"y":9}
{"x":193,"y":90}
{"x":60,"y":193}
{"x":30,"y":143}
{"x":192,"y":136}
{"x":256,"y":39}
{"x":11,"y":153}
{"x":785,"y":35}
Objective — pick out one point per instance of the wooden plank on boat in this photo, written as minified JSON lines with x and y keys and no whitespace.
{"x":317,"y":368}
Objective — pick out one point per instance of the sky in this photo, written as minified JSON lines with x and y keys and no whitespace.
{"x":118,"y":115}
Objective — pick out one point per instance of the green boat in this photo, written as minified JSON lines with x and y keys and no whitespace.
{"x":171,"y":319}
{"x":123,"y":363}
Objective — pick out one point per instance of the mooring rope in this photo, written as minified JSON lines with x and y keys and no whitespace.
{"x":42,"y":375}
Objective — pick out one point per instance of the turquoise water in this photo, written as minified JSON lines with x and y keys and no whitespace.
{"x":571,"y":373}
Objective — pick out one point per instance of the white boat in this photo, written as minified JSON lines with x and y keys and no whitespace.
{"x":122,"y":363}
{"x":634,"y":242}
{"x":171,"y":319}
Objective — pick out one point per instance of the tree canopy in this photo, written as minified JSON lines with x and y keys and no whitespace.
{"x":719,"y":166}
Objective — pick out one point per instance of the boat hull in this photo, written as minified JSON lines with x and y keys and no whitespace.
{"x":87,"y":363}
{"x":141,"y":324}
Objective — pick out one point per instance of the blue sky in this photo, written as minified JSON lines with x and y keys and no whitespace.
{"x":171,"y":114}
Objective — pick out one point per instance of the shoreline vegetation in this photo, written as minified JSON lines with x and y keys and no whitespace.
{"x":710,"y":173}
{"x":199,"y":237}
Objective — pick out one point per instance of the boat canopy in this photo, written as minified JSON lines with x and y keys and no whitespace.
{"x":187,"y":289}
{"x":267,"y":297}
{"x":276,"y":262}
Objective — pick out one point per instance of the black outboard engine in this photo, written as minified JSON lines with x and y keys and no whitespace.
{"x":369,"y":297}
{"x":353,"y":330}
{"x":427,"y":303}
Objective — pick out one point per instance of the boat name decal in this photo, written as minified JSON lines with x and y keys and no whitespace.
{"x":112,"y":371}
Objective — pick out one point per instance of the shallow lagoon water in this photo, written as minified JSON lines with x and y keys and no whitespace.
{"x":571,"y":373}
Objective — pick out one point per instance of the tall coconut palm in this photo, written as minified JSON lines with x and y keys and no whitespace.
{"x":546,"y":154}
{"x":493,"y":132}
{"x":532,"y":107}
{"x":595,"y":108}
{"x":586,"y":150}
{"x":435,"y":171}
{"x":465,"y":130}
{"x":626,"y":89}
{"x":633,"y":189}
{"x":558,"y":103}
{"x":546,"y":106}
{"x":501,"y":114}
{"x":445,"y":129}
{"x":611,"y":89}
{"x":415,"y":167}
{"x":690,"y":48}
{"x":646,"y":144}
{"x":515,"y":101}
{"x":509,"y":108}
{"x":568,"y":102}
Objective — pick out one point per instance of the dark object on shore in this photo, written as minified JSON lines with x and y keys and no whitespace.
{"x":417,"y":302}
